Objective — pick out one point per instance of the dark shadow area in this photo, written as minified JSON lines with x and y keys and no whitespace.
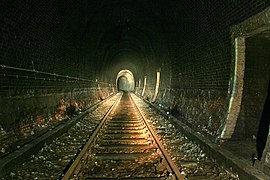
{"x":263,"y":126}
{"x":251,"y":130}
{"x":257,"y":73}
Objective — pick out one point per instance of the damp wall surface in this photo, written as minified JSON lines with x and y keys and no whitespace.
{"x":193,"y":53}
{"x":27,"y":105}
{"x":29,"y":113}
{"x":202,"y":70}
{"x":53,"y":54}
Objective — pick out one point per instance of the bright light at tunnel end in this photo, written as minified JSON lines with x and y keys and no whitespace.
{"x":125,"y":81}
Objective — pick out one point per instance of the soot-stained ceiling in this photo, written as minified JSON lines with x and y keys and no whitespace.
{"x":96,"y":39}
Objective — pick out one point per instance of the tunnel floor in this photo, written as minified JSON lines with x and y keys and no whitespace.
{"x":243,"y":149}
{"x":54,"y":159}
{"x":124,"y":148}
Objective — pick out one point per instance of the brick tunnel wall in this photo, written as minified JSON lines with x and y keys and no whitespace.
{"x":195,"y":76}
{"x":42,"y":71}
{"x":38,"y":35}
{"x":257,"y":75}
{"x":201,"y":67}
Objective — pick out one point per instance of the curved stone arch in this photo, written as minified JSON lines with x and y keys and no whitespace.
{"x":128,"y":75}
{"x":254,"y":25}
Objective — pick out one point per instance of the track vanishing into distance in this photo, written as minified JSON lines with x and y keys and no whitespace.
{"x":114,"y":139}
{"x":123,"y":146}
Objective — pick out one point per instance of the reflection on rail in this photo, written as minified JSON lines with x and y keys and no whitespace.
{"x":123,"y":145}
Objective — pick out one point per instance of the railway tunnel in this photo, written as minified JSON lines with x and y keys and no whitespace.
{"x":193,"y":75}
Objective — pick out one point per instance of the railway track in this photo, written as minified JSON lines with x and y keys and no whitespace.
{"x":124,"y":154}
{"x":53,"y":158}
{"x":123,"y":146}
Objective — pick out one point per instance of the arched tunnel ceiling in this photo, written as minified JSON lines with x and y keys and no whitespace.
{"x":98,"y":38}
{"x":132,"y":33}
{"x":122,"y":32}
{"x":128,"y":34}
{"x":192,"y":58}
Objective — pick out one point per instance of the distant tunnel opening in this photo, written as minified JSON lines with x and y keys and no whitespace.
{"x":125,"y":81}
{"x":123,"y":84}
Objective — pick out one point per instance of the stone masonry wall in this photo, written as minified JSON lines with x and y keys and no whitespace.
{"x":31,"y":112}
{"x":202,"y":64}
{"x":201,"y":109}
{"x":256,"y":79}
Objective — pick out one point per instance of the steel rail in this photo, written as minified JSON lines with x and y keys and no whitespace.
{"x":74,"y":167}
{"x":165,"y":154}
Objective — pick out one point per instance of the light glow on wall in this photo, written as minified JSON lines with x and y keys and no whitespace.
{"x":144,"y":85}
{"x":125,"y":81}
{"x":157,"y":87}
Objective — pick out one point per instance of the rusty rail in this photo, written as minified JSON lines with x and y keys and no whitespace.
{"x":75,"y":165}
{"x":173,"y":168}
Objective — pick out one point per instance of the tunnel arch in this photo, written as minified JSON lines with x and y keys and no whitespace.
{"x":241,"y":38}
{"x":125,"y":81}
{"x":74,"y":51}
